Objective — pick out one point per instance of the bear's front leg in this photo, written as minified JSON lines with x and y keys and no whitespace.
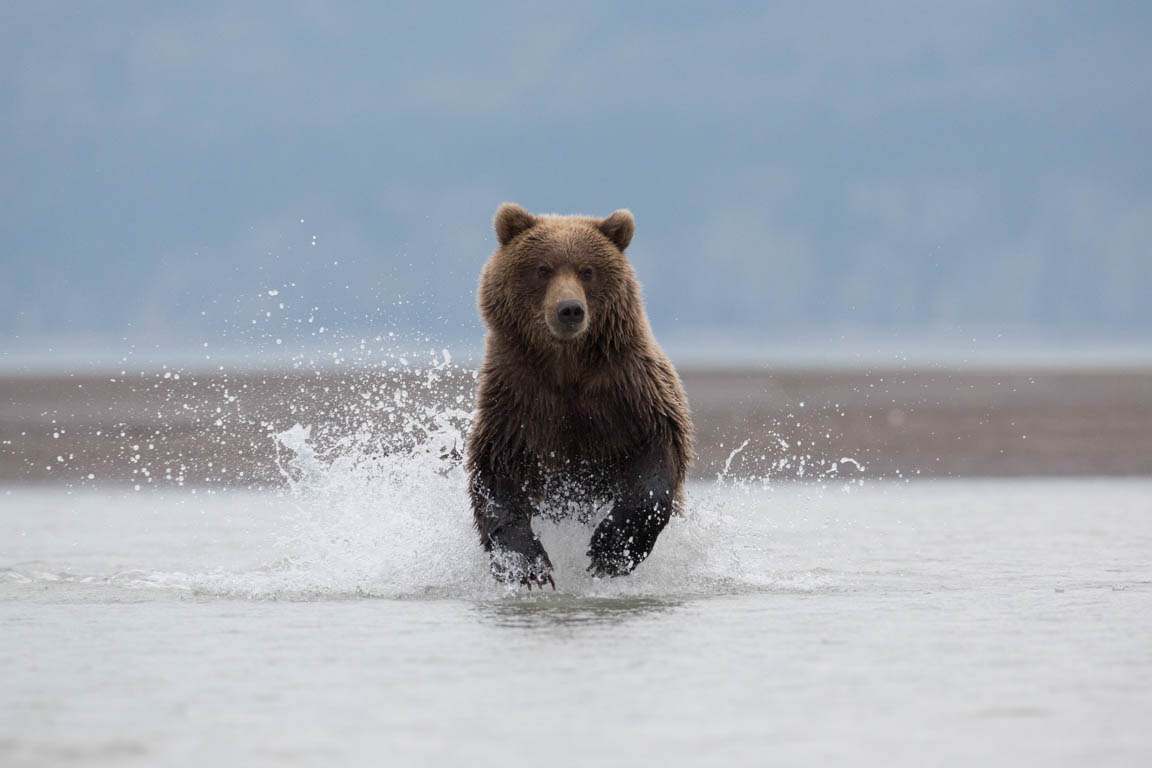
{"x":643,"y":506}
{"x":504,"y":520}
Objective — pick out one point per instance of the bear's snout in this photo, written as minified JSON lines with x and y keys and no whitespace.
{"x":565,"y":307}
{"x":568,"y":320}
{"x":570,"y":313}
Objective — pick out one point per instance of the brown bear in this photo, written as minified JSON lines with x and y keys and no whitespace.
{"x":577,"y":404}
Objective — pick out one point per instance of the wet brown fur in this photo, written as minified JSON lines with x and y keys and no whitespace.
{"x":594,"y":404}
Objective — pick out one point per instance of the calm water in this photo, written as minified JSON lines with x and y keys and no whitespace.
{"x":350,"y":621}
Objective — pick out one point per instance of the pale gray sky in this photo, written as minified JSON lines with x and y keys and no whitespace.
{"x":794,"y":169}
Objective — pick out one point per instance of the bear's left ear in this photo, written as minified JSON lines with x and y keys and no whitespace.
{"x":619,"y":228}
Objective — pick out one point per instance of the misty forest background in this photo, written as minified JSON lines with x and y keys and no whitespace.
{"x":937,"y":170}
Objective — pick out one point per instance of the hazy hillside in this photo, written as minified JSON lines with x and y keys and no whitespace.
{"x":936,"y":166}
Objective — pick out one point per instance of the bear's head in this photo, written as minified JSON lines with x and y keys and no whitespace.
{"x":560,"y":280}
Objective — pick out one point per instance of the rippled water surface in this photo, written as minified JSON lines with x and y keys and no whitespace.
{"x":350,"y":620}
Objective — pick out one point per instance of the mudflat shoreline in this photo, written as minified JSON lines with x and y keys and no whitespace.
{"x":160,"y":427}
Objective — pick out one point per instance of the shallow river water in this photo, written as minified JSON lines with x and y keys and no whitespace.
{"x":351,"y":622}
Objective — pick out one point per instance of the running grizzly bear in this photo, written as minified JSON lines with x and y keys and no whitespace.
{"x":577,"y":404}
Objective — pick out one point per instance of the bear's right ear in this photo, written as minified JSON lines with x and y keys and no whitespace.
{"x":510,"y":221}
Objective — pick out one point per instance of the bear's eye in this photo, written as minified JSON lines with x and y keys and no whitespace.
{"x":544,"y":272}
{"x":586,"y":274}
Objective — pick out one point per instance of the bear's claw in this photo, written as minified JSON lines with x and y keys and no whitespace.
{"x":539,"y":580}
{"x":511,"y":567}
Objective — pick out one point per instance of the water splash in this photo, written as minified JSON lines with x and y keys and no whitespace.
{"x":394,"y":521}
{"x":373,"y":502}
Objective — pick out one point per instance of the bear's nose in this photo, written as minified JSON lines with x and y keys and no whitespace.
{"x":570,"y":312}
